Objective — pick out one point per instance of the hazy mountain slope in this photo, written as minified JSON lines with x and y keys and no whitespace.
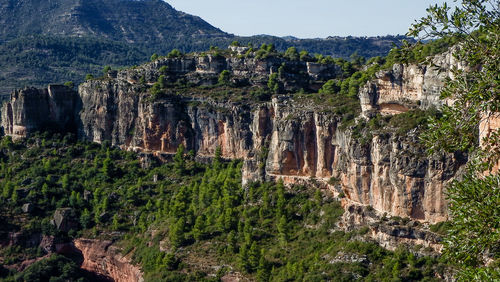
{"x":147,"y":21}
{"x":53,"y":41}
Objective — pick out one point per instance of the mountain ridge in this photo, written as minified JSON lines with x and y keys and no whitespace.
{"x":120,"y":20}
{"x":57,"y":41}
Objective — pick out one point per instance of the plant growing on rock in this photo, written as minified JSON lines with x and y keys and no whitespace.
{"x":472,"y":241}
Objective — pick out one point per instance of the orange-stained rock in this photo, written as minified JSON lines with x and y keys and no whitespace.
{"x":103,"y":258}
{"x":489,"y":125}
{"x":284,"y":138}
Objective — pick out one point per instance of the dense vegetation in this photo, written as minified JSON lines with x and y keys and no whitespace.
{"x":38,"y":50}
{"x":474,"y":235}
{"x":38,"y":60}
{"x":200,"y":215}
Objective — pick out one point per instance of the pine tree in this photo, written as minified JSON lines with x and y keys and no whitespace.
{"x":115,"y":225}
{"x":85,"y":218}
{"x":107,"y":165}
{"x":281,"y":201}
{"x":7,"y":190}
{"x":253,"y":256}
{"x":14,"y":197}
{"x":217,"y":161}
{"x":199,"y":228}
{"x":72,"y":199}
{"x":243,"y":258}
{"x":176,"y":233}
{"x":282,"y":230}
{"x":179,"y":164}
{"x":231,"y":242}
{"x":263,"y":271}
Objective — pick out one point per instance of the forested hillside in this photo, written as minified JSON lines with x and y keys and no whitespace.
{"x":45,"y":42}
{"x":200,"y":217}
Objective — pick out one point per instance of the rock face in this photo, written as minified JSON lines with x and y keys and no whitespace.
{"x":201,"y":69}
{"x":390,"y":234}
{"x":32,"y":109}
{"x":280,"y":139}
{"x":408,"y":86}
{"x":64,"y":220}
{"x":103,"y":258}
{"x":284,"y":138}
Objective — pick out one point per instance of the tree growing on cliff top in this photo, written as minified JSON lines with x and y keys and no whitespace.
{"x":474,"y":239}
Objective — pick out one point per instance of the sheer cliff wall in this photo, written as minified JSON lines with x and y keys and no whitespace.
{"x":281,"y":139}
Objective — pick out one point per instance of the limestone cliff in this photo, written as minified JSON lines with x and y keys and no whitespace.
{"x":285,"y":138}
{"x":103,"y":258}
{"x":408,"y":86}
{"x":278,"y":139}
{"x":32,"y":109}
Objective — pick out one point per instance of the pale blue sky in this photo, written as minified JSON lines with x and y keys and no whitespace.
{"x":308,"y":18}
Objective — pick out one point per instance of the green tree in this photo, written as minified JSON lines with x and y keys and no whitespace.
{"x":475,"y":199}
{"x":162,"y":81}
{"x":106,"y":69}
{"x":176,"y":233}
{"x":263,"y":271}
{"x":14,"y":197}
{"x":292,"y":54}
{"x":253,"y":256}
{"x":107,"y":165}
{"x":304,"y":56}
{"x":179,"y":163}
{"x":224,"y":77}
{"x":8,"y":187}
{"x":70,"y":84}
{"x":174,"y":54}
{"x":45,"y":189}
{"x":231,"y":242}
{"x":217,"y":161}
{"x":282,"y":230}
{"x":281,"y":201}
{"x":115,"y":225}
{"x":85,"y":219}
{"x":273,"y":83}
{"x":163,"y":69}
{"x":330,"y":87}
{"x":199,"y":228}
{"x":243,"y":258}
{"x":154,"y":57}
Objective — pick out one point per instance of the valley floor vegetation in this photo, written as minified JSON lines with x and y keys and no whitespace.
{"x":183,"y":220}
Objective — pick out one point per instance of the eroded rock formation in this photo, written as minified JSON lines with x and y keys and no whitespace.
{"x":389,"y":233}
{"x":32,"y":109}
{"x":285,"y":138}
{"x":408,"y":86}
{"x":103,"y":258}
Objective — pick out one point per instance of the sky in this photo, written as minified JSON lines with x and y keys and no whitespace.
{"x":308,"y":18}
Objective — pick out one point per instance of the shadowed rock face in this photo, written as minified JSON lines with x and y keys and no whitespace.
{"x":103,"y":258}
{"x":32,"y":109}
{"x":282,"y":139}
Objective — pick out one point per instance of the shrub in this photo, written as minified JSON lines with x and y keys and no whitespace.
{"x":174,"y":54}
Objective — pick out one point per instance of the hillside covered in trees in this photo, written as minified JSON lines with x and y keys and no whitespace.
{"x":199,"y":215}
{"x":60,"y":41}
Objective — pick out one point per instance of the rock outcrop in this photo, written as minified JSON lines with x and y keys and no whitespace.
{"x":32,"y":109}
{"x":408,"y":86}
{"x":279,"y":139}
{"x":389,"y":233}
{"x":284,"y":138}
{"x":103,"y":258}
